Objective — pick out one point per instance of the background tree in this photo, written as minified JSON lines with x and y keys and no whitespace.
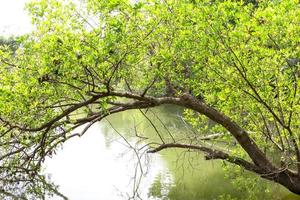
{"x":223,"y":61}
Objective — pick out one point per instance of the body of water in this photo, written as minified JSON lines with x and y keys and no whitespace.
{"x":110,"y":162}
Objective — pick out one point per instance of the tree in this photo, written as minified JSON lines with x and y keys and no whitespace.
{"x":223,"y":61}
{"x":10,"y":42}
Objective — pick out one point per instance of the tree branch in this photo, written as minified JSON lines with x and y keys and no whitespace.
{"x":211,"y":154}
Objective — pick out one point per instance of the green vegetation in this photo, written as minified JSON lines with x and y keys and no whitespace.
{"x":232,"y":65}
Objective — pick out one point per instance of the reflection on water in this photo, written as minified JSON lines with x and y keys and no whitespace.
{"x":89,"y":168}
{"x":102,"y":166}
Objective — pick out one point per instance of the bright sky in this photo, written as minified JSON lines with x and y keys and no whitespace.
{"x":13,"y":18}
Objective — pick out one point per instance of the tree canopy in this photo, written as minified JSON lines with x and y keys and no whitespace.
{"x":231,"y":62}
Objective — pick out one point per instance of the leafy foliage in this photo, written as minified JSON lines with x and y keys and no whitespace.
{"x":234,"y":62}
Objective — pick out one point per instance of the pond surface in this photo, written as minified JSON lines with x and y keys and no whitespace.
{"x":103,"y":165}
{"x":90,"y":168}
